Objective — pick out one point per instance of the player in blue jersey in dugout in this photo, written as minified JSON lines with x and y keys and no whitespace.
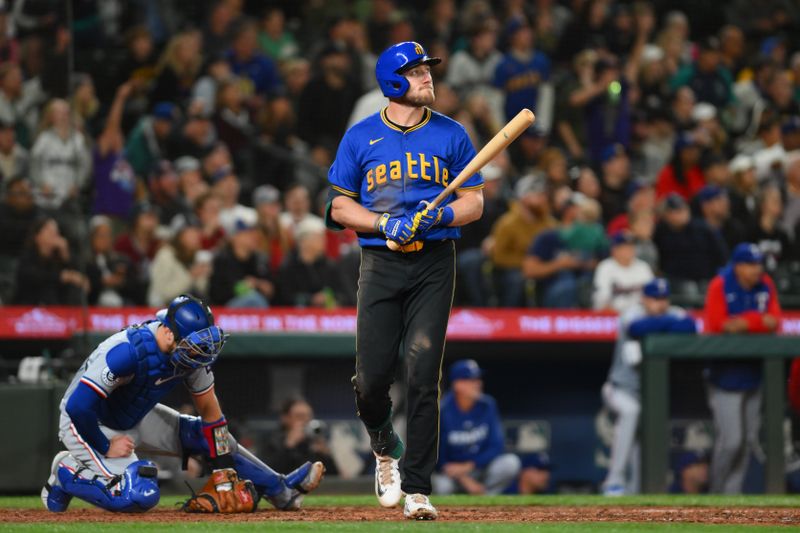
{"x":388,"y":166}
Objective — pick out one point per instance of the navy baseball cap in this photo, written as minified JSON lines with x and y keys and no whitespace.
{"x":610,"y":152}
{"x":689,"y":458}
{"x":465,"y":369}
{"x":635,"y":186}
{"x":709,"y":192}
{"x":684,"y":140}
{"x":674,"y":201}
{"x":656,"y":288}
{"x":746,"y":252}
{"x":539,"y":460}
{"x":621,"y":237}
{"x":164,"y":111}
{"x":791,"y":125}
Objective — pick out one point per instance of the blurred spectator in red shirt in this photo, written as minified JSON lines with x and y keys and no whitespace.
{"x":683,"y":174}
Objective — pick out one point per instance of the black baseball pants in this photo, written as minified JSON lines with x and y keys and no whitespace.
{"x":404,"y":302}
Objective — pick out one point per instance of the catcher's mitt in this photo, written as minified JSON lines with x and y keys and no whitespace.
{"x":224,"y":492}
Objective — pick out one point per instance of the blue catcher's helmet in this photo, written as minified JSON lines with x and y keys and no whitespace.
{"x":394,"y":60}
{"x":198,"y":340}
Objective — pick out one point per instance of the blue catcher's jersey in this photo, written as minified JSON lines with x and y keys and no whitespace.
{"x":388,"y":170}
{"x":131,"y":375}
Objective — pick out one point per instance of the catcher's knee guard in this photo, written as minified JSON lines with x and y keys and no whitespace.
{"x":135,"y":491}
{"x":190,"y":432}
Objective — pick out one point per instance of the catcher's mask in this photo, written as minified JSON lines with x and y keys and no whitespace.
{"x":198,"y":340}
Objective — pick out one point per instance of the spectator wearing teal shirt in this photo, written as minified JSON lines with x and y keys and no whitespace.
{"x":707,"y":77}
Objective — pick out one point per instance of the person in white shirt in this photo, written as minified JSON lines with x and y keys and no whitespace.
{"x":618,"y":280}
{"x":227,"y":188}
{"x":297,"y":201}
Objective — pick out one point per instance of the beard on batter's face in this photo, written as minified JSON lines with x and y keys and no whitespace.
{"x":418,"y":96}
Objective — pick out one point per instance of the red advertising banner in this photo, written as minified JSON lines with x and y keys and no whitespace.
{"x":465,"y":323}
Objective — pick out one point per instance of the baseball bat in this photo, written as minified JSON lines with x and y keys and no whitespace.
{"x":498,"y":143}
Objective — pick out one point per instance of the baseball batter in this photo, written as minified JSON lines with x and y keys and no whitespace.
{"x":110,"y":412}
{"x":386,"y":169}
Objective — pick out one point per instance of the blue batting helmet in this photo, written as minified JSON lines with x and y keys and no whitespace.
{"x":198,"y":340}
{"x":394,"y":60}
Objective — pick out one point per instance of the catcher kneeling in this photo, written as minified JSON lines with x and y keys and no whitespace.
{"x":111,"y":411}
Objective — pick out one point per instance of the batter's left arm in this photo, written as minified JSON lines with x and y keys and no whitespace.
{"x":468,"y":207}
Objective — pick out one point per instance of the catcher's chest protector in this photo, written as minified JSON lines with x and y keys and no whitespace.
{"x":154,"y":378}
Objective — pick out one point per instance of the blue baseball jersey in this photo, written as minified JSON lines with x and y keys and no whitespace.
{"x":388,"y":170}
{"x":475,"y":435}
{"x":520,"y":80}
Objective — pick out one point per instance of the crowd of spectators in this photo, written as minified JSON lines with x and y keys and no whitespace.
{"x":155,"y":147}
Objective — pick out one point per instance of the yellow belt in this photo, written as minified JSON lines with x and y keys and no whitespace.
{"x":415,"y":246}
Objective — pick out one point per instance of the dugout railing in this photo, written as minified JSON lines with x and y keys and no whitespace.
{"x":660,"y":350}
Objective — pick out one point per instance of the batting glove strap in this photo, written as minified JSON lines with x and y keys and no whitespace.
{"x":399,"y":229}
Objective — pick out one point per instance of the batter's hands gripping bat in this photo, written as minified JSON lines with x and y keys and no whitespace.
{"x":499,"y":142}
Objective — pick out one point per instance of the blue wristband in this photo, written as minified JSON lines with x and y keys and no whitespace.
{"x":447,"y":216}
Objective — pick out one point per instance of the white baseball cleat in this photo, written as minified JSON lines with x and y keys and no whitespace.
{"x":387,"y":480}
{"x":53,"y":497}
{"x":419,"y":507}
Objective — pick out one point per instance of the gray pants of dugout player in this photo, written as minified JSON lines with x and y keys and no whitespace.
{"x":625,"y":452}
{"x":737,"y":420}
{"x":496,"y":476}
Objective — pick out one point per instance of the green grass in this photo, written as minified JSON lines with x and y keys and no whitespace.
{"x":658,"y":500}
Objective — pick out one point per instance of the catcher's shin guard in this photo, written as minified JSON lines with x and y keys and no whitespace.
{"x":135,"y":491}
{"x":268,"y":483}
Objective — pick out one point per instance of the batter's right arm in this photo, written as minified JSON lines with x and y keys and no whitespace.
{"x":353,"y":215}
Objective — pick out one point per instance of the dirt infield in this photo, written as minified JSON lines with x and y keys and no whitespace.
{"x":704,"y":515}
